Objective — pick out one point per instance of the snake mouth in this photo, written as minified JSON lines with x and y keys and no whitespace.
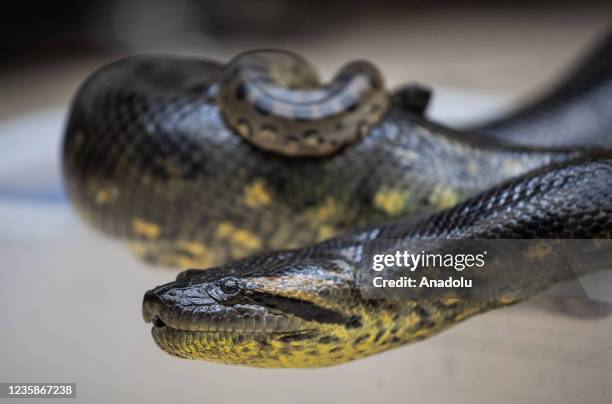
{"x":222,"y":320}
{"x":160,"y":327}
{"x":193,"y":326}
{"x":188,"y":342}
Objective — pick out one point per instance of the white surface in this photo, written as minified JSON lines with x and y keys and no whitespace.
{"x":70,"y":302}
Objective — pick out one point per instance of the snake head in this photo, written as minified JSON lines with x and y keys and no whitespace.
{"x":266,"y":311}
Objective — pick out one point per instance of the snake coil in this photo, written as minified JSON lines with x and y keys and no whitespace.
{"x":275,"y":101}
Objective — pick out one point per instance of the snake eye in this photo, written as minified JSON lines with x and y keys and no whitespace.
{"x":230,"y":286}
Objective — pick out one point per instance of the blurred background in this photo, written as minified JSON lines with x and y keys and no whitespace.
{"x":505,"y":47}
{"x":71,"y":297}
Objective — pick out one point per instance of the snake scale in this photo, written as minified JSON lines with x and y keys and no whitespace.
{"x":198,"y":164}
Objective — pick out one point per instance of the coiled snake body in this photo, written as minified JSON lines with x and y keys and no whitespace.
{"x":196,"y":164}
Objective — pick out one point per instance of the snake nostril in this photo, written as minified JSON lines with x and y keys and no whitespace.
{"x":158,"y":322}
{"x":151,"y":306}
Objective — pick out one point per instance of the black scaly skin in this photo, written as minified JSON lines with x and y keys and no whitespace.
{"x":148,"y":158}
{"x":305,"y":308}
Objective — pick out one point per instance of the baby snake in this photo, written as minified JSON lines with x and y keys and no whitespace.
{"x":197,"y":164}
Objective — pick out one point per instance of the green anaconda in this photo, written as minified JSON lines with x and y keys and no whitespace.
{"x":306,"y":307}
{"x":196,"y":164}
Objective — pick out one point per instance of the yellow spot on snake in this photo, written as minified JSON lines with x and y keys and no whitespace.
{"x":224,"y":230}
{"x":197,"y":262}
{"x":179,"y":254}
{"x":422,"y":333}
{"x":246,"y":239}
{"x":192,"y":247}
{"x":443,"y":198}
{"x":104,"y":196}
{"x":144,"y":228}
{"x":390,"y":201}
{"x":255,"y":195}
{"x":450,"y":299}
{"x":325,"y":232}
{"x":470,"y":311}
{"x":243,"y":238}
{"x":244,"y":129}
{"x":324,"y":212}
